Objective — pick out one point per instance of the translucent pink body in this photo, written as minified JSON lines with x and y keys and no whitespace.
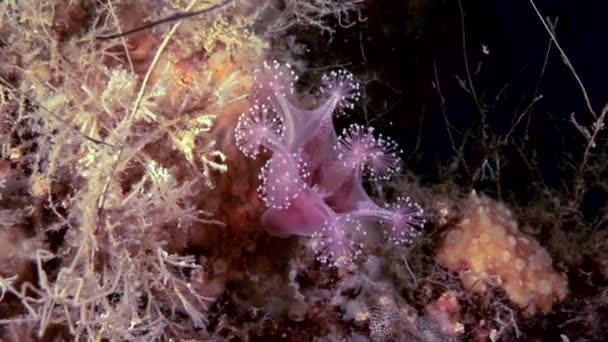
{"x":312,"y":183}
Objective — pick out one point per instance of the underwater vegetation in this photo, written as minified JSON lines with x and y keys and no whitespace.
{"x":189,"y":170}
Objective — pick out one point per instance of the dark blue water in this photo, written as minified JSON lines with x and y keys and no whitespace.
{"x":410,"y":50}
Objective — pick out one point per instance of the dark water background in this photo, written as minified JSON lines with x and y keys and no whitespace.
{"x":406,"y":48}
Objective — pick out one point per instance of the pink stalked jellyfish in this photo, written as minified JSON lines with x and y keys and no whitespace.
{"x":357,"y":148}
{"x":283,"y":179}
{"x":334,"y":242}
{"x":401,"y":219}
{"x":405,"y":220}
{"x":312,"y":183}
{"x":274,"y":80}
{"x":304,"y":216}
{"x":260,"y":128}
{"x":342,"y":89}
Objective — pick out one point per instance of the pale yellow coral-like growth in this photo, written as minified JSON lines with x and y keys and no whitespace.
{"x":487,"y":249}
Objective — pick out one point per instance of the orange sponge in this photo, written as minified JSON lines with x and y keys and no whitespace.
{"x":487,"y":248}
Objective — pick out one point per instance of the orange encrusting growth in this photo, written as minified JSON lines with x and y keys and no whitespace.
{"x":487,"y":248}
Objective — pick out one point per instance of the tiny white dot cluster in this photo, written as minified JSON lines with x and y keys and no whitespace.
{"x":402,"y":220}
{"x":332,"y":243}
{"x":260,"y":125}
{"x":358,"y":148}
{"x":282,"y":179}
{"x":406,"y":220}
{"x":343,"y":86}
{"x":275,"y":78}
